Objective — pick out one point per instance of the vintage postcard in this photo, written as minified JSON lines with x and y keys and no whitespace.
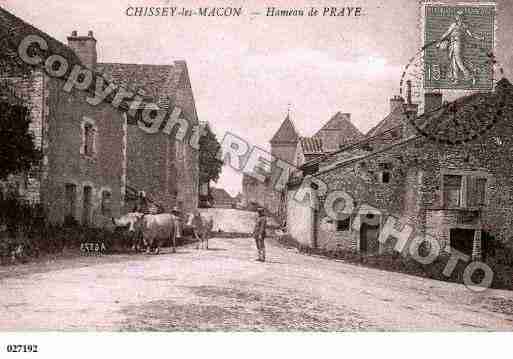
{"x":240,"y":166}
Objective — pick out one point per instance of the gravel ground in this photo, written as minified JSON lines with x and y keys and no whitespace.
{"x":224,"y":288}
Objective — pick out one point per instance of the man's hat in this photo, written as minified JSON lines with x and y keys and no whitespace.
{"x":260,"y":210}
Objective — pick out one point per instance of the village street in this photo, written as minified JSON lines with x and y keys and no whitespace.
{"x":224,"y":288}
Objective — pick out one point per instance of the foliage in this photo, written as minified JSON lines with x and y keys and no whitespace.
{"x":17,"y":153}
{"x":209,"y":165}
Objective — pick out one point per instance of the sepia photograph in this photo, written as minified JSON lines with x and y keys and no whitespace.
{"x":227,"y":172}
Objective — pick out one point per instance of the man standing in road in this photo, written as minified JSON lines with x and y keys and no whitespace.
{"x":259,"y":234}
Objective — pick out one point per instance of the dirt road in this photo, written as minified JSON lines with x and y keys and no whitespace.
{"x":226,"y":289}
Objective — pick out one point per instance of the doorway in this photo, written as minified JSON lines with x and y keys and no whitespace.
{"x":462,"y":239}
{"x":369,"y":234}
{"x":87,"y":200}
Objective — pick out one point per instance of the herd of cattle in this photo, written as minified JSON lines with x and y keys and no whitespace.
{"x":151,"y":231}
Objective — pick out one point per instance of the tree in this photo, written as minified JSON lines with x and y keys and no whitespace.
{"x":209,"y":165}
{"x":17,"y":151}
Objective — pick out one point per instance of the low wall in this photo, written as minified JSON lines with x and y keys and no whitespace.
{"x":232,"y":220}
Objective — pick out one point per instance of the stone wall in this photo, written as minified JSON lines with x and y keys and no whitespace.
{"x":67,"y":164}
{"x":187,"y":157}
{"x":151,"y":167}
{"x":300,"y":215}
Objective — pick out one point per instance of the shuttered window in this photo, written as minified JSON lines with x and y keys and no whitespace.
{"x":476,"y":191}
{"x":452,"y":191}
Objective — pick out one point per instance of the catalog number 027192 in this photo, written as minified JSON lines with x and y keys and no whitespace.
{"x":22,"y":348}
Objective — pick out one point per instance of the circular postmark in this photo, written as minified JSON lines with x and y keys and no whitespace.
{"x":457,"y":61}
{"x":456,"y":122}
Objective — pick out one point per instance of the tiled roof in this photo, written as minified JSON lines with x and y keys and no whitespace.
{"x":221,"y":196}
{"x":440,"y":123}
{"x":393,"y":119}
{"x":13,"y":30}
{"x":441,"y":117}
{"x":286,"y":132}
{"x":342,"y":123}
{"x":311,"y":145}
{"x":157,"y":82}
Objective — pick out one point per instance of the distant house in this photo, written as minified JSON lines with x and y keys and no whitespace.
{"x":222,"y":199}
{"x":289,"y":146}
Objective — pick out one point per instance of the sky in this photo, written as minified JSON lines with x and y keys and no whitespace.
{"x":247,"y":71}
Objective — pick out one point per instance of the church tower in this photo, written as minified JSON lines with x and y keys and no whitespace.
{"x":285,"y":141}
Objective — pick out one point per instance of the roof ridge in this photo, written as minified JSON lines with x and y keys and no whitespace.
{"x":33,"y":28}
{"x":373,"y":153}
{"x":350,"y":146}
{"x":339,"y":116}
{"x":396,"y":109}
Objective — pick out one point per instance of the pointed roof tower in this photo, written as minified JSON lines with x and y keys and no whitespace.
{"x":286,"y":133}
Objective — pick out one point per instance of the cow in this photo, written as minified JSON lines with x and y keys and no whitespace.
{"x":201,"y":227}
{"x":131,"y":223}
{"x":157,"y":228}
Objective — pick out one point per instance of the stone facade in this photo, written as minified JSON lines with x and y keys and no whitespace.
{"x":165,"y":168}
{"x":57,"y":122}
{"x":91,"y":154}
{"x":460,"y":194}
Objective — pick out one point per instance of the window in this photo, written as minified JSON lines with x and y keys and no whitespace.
{"x":476,"y":191}
{"x":464,"y":191}
{"x":343,"y":225}
{"x":89,"y":133}
{"x":105,"y":205}
{"x":385,"y":177}
{"x":452,"y":190}
{"x":481,"y":191}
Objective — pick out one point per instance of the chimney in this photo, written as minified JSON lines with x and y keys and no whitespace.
{"x":84,"y":47}
{"x":408,"y":92}
{"x":432,"y":101}
{"x":395,"y":102}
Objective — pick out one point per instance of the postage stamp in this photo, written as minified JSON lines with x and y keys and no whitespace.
{"x":459,"y":40}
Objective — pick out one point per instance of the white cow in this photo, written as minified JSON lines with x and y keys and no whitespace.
{"x":201,"y":228}
{"x":157,"y":228}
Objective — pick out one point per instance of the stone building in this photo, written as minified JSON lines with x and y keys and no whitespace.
{"x":166,"y":169}
{"x":81,"y":175}
{"x":460,"y":194}
{"x":93,"y":154}
{"x":289,"y":146}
